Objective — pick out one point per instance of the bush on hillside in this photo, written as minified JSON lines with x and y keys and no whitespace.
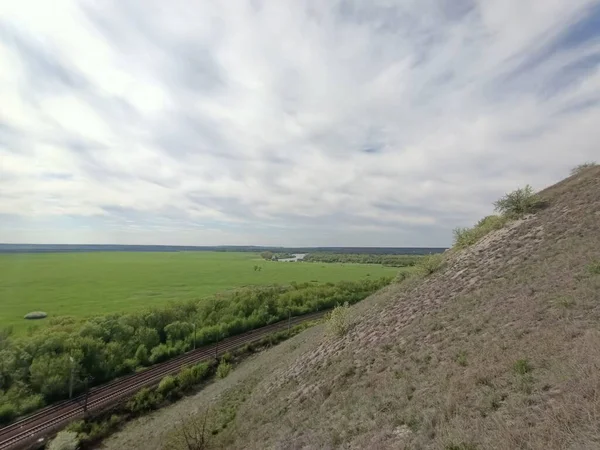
{"x":65,"y":440}
{"x":431,"y":264}
{"x":401,"y":276}
{"x":464,"y":237}
{"x":339,"y":320}
{"x":594,"y":268}
{"x":167,"y":385}
{"x":518,"y":202}
{"x":144,"y":400}
{"x":582,"y":167}
{"x":223,"y":369}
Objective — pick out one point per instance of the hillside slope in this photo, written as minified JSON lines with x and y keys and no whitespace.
{"x":500,"y":349}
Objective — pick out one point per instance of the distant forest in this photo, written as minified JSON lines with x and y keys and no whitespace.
{"x":363,"y":258}
{"x":55,"y":248}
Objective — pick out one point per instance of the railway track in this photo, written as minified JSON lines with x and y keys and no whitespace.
{"x":33,"y":428}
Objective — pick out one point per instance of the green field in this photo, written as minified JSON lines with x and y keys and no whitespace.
{"x":86,"y":284}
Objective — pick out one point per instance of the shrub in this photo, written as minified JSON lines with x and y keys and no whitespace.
{"x":8,"y":412}
{"x":190,"y":376}
{"x":594,"y":268}
{"x":167,"y":385}
{"x":401,"y":276}
{"x":227,"y":357}
{"x":201,"y":371}
{"x":36,"y":315}
{"x":65,"y":440}
{"x":31,"y":403}
{"x":161,"y":352}
{"x":431,"y":264}
{"x":145,"y":400}
{"x":518,"y":202}
{"x":461,"y":358}
{"x":141,"y":355}
{"x":338,"y":323}
{"x":522,"y":367}
{"x":464,"y":237}
{"x":582,"y":167}
{"x":223,"y":369}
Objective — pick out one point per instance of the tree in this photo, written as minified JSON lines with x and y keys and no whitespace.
{"x":147,"y":337}
{"x":267,"y":255}
{"x":178,"y":331}
{"x":49,"y":375}
{"x":141,"y":355}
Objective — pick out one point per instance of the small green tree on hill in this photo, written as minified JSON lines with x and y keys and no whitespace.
{"x":518,"y":202}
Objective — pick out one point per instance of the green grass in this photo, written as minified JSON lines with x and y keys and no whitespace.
{"x":87,"y":284}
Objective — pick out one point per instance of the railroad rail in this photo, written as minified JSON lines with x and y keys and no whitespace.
{"x":34,"y":428}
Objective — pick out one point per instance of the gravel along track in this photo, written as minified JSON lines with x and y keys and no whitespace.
{"x":30,"y":429}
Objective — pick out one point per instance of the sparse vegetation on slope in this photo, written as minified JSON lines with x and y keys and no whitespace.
{"x":496,"y":350}
{"x":577,"y":170}
{"x":464,"y":237}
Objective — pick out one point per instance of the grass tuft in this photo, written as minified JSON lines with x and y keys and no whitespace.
{"x":522,"y":367}
{"x":594,"y":268}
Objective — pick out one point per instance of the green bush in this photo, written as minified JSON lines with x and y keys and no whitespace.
{"x":223,"y":369}
{"x":431,"y":264}
{"x":65,"y":440}
{"x":145,"y":400}
{"x":8,"y":412}
{"x":141,"y":355}
{"x":401,"y":276}
{"x":202,"y":370}
{"x":31,"y":403}
{"x":339,"y":321}
{"x":464,"y":237}
{"x":227,"y":357}
{"x":518,"y":202}
{"x":522,"y":367}
{"x":167,"y":385}
{"x":582,"y":167}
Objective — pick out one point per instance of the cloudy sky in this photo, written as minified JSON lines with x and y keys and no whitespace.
{"x":375,"y":122}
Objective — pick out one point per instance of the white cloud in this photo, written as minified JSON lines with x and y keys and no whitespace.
{"x":336,"y":123}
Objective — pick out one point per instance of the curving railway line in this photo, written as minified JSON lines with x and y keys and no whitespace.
{"x":34,"y":428}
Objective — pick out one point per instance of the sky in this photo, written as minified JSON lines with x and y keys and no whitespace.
{"x":289,"y":122}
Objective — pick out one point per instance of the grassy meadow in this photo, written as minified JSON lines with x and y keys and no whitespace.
{"x":87,"y":284}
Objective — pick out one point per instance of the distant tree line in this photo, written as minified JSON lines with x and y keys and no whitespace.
{"x":386,"y":260}
{"x":36,"y":369}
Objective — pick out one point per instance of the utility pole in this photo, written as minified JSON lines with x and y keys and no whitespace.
{"x":71,"y":377}
{"x":289,"y":320}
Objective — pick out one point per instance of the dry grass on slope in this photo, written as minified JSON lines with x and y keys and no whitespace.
{"x":498,"y":349}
